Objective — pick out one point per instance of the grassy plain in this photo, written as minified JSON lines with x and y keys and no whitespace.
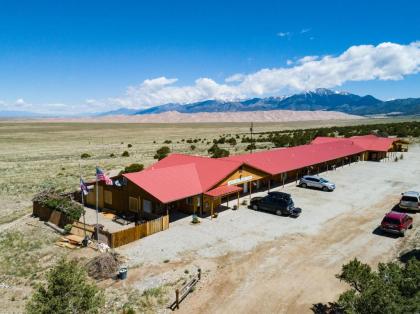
{"x":36,"y":154}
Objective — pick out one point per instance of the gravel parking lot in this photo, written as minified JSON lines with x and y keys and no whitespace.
{"x":359,"y":186}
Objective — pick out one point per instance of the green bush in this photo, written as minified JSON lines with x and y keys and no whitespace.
{"x":112,"y":155}
{"x":162,"y":152}
{"x":167,"y":142}
{"x":391,"y":289}
{"x":216,"y":152}
{"x":67,"y":228}
{"x":85,"y":155}
{"x":63,"y":203}
{"x":67,"y":291}
{"x":133,"y":168}
{"x":125,"y":154}
{"x":129,"y":145}
{"x":192,"y":147}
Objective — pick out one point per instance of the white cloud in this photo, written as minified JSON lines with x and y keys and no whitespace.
{"x":307,"y":59}
{"x":305,"y":30}
{"x":284,"y":34}
{"x":386,"y":61}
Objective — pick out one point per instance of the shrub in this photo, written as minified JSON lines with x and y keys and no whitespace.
{"x":216,"y":152}
{"x":129,"y":145}
{"x":162,"y":153}
{"x":390,"y":289}
{"x":85,"y":155}
{"x":63,"y":203}
{"x":67,"y":291}
{"x":167,"y":142}
{"x":193,"y":147}
{"x":112,"y":155}
{"x":125,"y":154}
{"x":133,"y":168}
{"x":67,"y":228}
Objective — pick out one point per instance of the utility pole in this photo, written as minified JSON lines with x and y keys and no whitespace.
{"x":251,"y":129}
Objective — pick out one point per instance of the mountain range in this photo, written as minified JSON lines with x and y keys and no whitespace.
{"x":319,"y":99}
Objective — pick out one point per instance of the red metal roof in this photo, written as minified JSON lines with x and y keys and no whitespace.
{"x":281,"y":160}
{"x":170,"y":183}
{"x":180,"y":176}
{"x":210,"y":170}
{"x":223,"y":190}
{"x":367,"y":142}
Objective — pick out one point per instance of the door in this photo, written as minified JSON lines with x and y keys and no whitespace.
{"x":317,"y":183}
{"x":245,"y":187}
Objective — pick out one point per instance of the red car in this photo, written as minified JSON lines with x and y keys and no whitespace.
{"x":395,"y":222}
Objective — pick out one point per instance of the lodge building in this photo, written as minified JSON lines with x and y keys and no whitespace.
{"x":200,"y":185}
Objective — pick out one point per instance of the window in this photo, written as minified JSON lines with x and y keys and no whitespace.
{"x":409,"y":199}
{"x":108,"y":197}
{"x":147,"y":206}
{"x":133,"y":204}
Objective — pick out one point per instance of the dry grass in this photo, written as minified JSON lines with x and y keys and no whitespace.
{"x":39,"y":154}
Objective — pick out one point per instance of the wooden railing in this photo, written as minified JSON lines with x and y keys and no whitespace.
{"x":122,"y":237}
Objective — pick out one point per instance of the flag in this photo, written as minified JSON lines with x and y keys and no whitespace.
{"x":83,"y":187}
{"x":101,"y":176}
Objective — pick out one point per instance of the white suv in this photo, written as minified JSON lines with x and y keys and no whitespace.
{"x":410,"y":200}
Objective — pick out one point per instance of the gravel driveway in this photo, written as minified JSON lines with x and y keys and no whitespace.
{"x":359,"y":186}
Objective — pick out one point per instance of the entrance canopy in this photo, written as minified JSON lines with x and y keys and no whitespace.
{"x":223,"y":190}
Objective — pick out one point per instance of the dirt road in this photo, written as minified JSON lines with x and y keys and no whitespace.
{"x":290,"y":274}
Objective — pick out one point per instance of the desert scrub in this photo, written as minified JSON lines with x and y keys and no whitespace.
{"x":20,"y":253}
{"x":125,"y":154}
{"x":55,"y":200}
{"x":152,"y":300}
{"x":85,"y":155}
{"x":133,"y":168}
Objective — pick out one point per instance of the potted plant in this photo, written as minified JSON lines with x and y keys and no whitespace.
{"x":195,"y":219}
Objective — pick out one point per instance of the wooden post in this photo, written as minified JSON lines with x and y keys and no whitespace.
{"x":194,"y":205}
{"x":211,"y":208}
{"x":250,"y":189}
{"x":269,"y":183}
{"x":177,"y":298}
{"x":199,"y":274}
{"x":238,"y":200}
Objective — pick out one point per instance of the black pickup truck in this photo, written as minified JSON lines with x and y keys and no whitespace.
{"x":278,"y":203}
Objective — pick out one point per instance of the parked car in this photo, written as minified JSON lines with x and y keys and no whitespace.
{"x":410,"y":200}
{"x":316,"y":182}
{"x":276,"y":202}
{"x":396,"y":222}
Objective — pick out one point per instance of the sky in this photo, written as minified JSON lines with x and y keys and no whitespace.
{"x":70,"y":57}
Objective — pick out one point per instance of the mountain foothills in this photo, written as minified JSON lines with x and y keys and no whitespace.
{"x":319,"y":99}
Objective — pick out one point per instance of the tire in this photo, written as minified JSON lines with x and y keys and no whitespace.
{"x":402,"y":233}
{"x":304,"y":185}
{"x":411,"y":226}
{"x":325,"y":189}
{"x":278,"y":213}
{"x":255,"y":207}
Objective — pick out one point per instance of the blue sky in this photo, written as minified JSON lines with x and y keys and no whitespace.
{"x":66,"y":56}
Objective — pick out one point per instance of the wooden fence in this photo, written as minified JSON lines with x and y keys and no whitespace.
{"x":137,"y":232}
{"x":53,"y":216}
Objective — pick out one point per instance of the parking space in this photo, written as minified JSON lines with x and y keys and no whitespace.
{"x":361,"y":188}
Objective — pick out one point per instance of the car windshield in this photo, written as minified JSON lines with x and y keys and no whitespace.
{"x":409,"y":199}
{"x":391,"y":220}
{"x":323,"y":180}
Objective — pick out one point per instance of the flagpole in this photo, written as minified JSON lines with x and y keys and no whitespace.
{"x":83,"y":201}
{"x":97,"y":210}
